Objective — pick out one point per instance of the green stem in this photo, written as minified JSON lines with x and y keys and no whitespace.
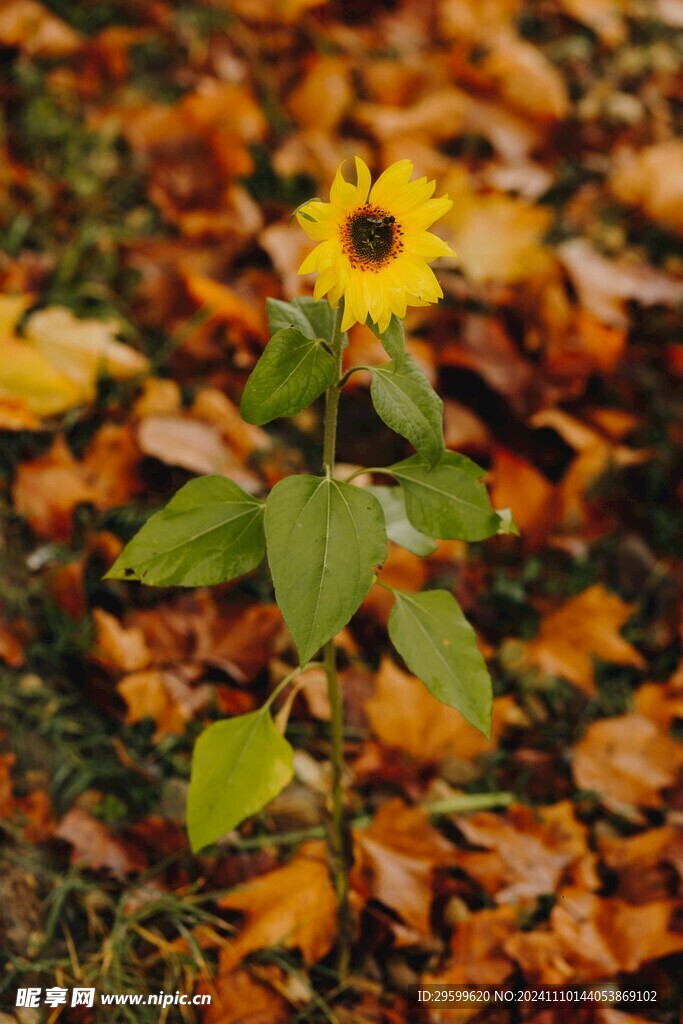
{"x":338,"y":834}
{"x":461,"y":803}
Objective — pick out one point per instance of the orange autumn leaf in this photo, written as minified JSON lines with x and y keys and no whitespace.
{"x":583,"y":628}
{"x":518,"y":485}
{"x":48,"y":488}
{"x":477,"y":955}
{"x":241,"y":997}
{"x":590,"y":937}
{"x":32,"y":27}
{"x":293,"y":906}
{"x":404,"y":714}
{"x":164,"y":696}
{"x":627,"y":761}
{"x":395,"y":860}
{"x":116,"y":647}
{"x":652,"y":179}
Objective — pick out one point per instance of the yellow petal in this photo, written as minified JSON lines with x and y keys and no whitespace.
{"x":389,"y":181}
{"x":364,"y":180}
{"x":343,"y":194}
{"x":424,"y":216}
{"x":426,"y":245}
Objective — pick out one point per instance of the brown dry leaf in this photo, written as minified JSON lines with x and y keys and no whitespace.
{"x":283,"y":11}
{"x":95,"y":847}
{"x":497,"y":238}
{"x":588,"y":346}
{"x":194,"y":445}
{"x":627,"y":761}
{"x":584,"y":627}
{"x":110,"y":464}
{"x":287,"y":249}
{"x":404,"y":714}
{"x":164,"y":696}
{"x":116,"y":647}
{"x":33,"y":811}
{"x":591,"y":938}
{"x":395,"y":860}
{"x":604,"y":286}
{"x":243,"y":640}
{"x":528,"y":852}
{"x":642,"y":861}
{"x":477,"y":954}
{"x":518,"y":485}
{"x":652,"y":179}
{"x":294,"y":906}
{"x":462,"y":429}
{"x":32,"y":27}
{"x":484,"y":346}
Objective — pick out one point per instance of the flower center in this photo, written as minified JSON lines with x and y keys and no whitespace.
{"x":370,"y":238}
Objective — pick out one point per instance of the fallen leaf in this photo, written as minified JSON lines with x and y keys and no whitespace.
{"x":95,"y":847}
{"x":293,"y":906}
{"x":403,"y":714}
{"x":652,"y":178}
{"x":477,"y":954}
{"x":484,"y":346}
{"x":165,"y":696}
{"x":83,"y":350}
{"x":47,"y":489}
{"x":518,"y":485}
{"x":604,"y":286}
{"x":642,"y":863}
{"x":604,"y":17}
{"x":497,"y":238}
{"x":584,"y":627}
{"x":590,"y":938}
{"x":627,"y":761}
{"x":115,"y":646}
{"x":194,"y":445}
{"x":528,"y":852}
{"x":35,"y":30}
{"x":240,"y":998}
{"x":395,"y":860}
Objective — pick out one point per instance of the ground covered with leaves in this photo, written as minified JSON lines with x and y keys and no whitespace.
{"x":151,"y":158}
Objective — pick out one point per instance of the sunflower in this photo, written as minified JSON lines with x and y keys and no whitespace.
{"x":374,"y":247}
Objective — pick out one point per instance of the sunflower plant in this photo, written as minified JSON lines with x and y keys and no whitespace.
{"x":326,"y":538}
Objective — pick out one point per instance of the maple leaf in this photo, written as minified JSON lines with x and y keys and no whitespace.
{"x":404,"y":714}
{"x":584,"y":627}
{"x":528,"y":852}
{"x":627,"y":761}
{"x":293,"y":906}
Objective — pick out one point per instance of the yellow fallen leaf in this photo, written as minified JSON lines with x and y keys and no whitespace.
{"x":497,"y":238}
{"x":83,"y":349}
{"x":27,"y":375}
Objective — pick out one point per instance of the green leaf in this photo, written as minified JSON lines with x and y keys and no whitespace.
{"x":439,"y":646}
{"x":393,"y":339}
{"x":238,"y":766}
{"x":406,"y":401}
{"x":290,"y":374}
{"x":507,"y":522}
{"x":399,"y":529}
{"x":448,"y":500}
{"x":323,"y":538}
{"x":211,"y":531}
{"x":313,"y":319}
